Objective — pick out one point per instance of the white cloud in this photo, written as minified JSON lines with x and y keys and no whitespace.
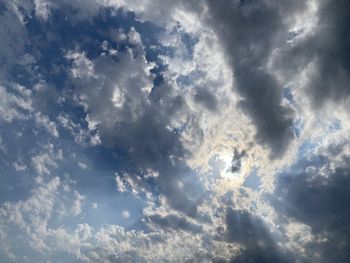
{"x":120,"y":184}
{"x":82,"y":165}
{"x":42,"y":9}
{"x":44,"y":122}
{"x":15,"y":104}
{"x":30,"y":218}
{"x":129,"y":82}
{"x":84,"y":137}
{"x":82,"y":68}
{"x":43,"y":161}
{"x":125,"y":214}
{"x":2,"y":146}
{"x":19,"y":166}
{"x":76,"y":208}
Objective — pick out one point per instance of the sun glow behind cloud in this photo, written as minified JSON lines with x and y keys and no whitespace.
{"x":151,"y":131}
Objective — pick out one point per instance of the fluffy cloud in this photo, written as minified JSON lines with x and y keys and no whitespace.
{"x":212,"y":131}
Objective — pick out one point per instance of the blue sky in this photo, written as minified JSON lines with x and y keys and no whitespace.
{"x":174,"y":131}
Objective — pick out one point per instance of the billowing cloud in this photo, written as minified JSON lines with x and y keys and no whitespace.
{"x":324,"y":50}
{"x":162,"y":131}
{"x":250,"y":31}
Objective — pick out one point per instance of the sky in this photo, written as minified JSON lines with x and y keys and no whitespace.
{"x":174,"y":131}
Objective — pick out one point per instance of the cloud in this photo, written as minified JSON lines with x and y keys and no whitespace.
{"x":249,"y":32}
{"x":168,"y":115}
{"x":43,"y":161}
{"x":324,"y":50}
{"x":207,"y":99}
{"x":130,"y":122}
{"x":37,"y":234}
{"x":82,"y":165}
{"x":82,"y":136}
{"x":316,"y":194}
{"x":44,"y":122}
{"x":174,"y":222}
{"x":250,"y":231}
{"x":126,"y":214}
{"x":237,"y":160}
{"x":12,"y":31}
{"x":16,"y":104}
{"x":35,"y":211}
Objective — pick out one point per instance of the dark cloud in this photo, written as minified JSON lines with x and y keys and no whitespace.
{"x":146,"y":143}
{"x":330,"y":46}
{"x":320,"y":202}
{"x":207,"y":99}
{"x":245,"y":228}
{"x":327,"y":48}
{"x":237,"y":160}
{"x":258,"y":255}
{"x":250,"y":31}
{"x":250,"y":232}
{"x":174,"y":222}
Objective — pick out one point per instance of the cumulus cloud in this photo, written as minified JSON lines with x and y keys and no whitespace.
{"x":126,"y":214}
{"x":45,"y":123}
{"x":45,"y":159}
{"x":187,"y":131}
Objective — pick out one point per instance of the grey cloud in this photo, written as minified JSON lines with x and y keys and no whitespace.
{"x":244,"y":228}
{"x":13,"y":34}
{"x":257,"y":242}
{"x":137,"y":128}
{"x":250,"y":31}
{"x":147,"y":141}
{"x":128,"y":257}
{"x":237,"y":160}
{"x":149,"y":145}
{"x":258,"y":255}
{"x":207,"y":99}
{"x":327,"y":48}
{"x":174,"y":222}
{"x":322,"y":203}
